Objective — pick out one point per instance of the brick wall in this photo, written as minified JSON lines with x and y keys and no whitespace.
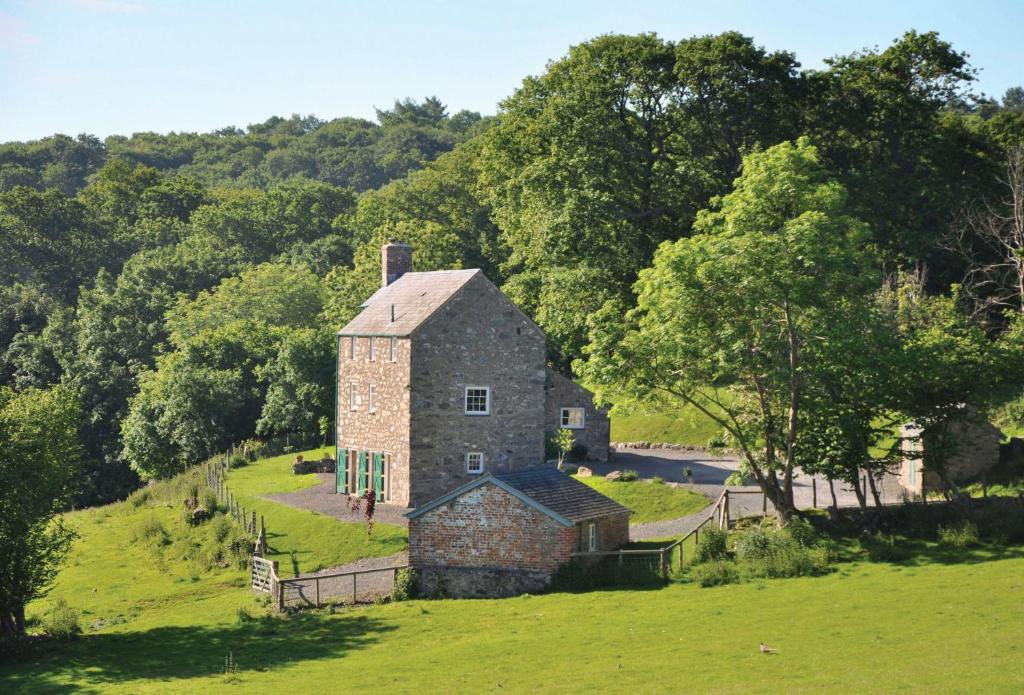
{"x":564,"y":393}
{"x":489,"y":528}
{"x":478,"y":338}
{"x":387,"y":429}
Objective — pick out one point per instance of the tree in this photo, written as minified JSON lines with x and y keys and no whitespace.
{"x":1013,"y":99}
{"x":990,"y":238}
{"x":39,"y":450}
{"x":300,"y":393}
{"x":614,"y":149}
{"x":729,"y":321}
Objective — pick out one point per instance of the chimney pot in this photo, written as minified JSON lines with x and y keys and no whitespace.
{"x":395,"y":261}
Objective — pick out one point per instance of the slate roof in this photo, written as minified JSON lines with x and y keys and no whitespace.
{"x":562,"y":494}
{"x":415,"y":296}
{"x":547,"y":489}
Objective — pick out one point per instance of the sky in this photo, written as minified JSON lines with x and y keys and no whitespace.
{"x":121,"y":66}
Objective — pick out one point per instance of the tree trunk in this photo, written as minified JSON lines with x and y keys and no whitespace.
{"x":855,"y":481}
{"x":833,"y":511}
{"x":874,"y":490}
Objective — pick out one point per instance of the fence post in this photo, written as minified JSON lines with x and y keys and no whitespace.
{"x":680,"y":556}
{"x":814,"y":492}
{"x":317,"y":579}
{"x":353,"y":588}
{"x":661,"y":565}
{"x":252,"y":524}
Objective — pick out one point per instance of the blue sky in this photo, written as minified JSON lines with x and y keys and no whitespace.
{"x":121,"y":66}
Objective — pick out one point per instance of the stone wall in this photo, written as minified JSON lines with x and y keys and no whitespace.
{"x":479,"y":582}
{"x":559,"y":393}
{"x":973,"y":449}
{"x":478,"y":338}
{"x":387,"y":429}
{"x":488,"y":527}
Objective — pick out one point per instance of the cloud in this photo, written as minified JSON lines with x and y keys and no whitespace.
{"x":108,"y":5}
{"x":14,"y":32}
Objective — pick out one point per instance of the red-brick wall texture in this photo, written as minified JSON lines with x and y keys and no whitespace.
{"x":489,"y":527}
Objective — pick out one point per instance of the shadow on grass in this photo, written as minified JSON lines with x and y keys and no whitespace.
{"x":911,"y":552}
{"x":181,"y":652}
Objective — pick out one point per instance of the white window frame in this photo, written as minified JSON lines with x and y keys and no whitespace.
{"x":470,"y":456}
{"x":373,"y":349}
{"x":562,"y":417}
{"x":487,"y":400}
{"x":394,"y":349}
{"x":353,"y":395}
{"x":371,"y":397}
{"x":352,"y":348}
{"x":591,"y":537}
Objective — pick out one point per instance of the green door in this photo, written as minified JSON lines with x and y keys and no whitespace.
{"x":378,"y":476}
{"x":341,"y":472}
{"x":361,"y":477}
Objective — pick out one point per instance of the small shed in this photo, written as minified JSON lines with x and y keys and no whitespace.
{"x":507,"y":534}
{"x":972,"y":448}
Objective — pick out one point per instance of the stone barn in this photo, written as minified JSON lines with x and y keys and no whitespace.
{"x":508,"y":533}
{"x":972,"y":445}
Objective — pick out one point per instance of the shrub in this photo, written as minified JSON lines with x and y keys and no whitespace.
{"x":715,"y":573}
{"x":238,"y":461}
{"x":881,"y":547}
{"x":657,"y":480}
{"x":716,"y":442}
{"x":628,"y":476}
{"x":151,"y":529}
{"x":405,"y":585}
{"x":140,"y":498}
{"x":963,"y":535}
{"x":712,"y":545}
{"x":578,"y":452}
{"x":788,"y":559}
{"x":801,"y":531}
{"x":61,"y":622}
{"x":208,"y":501}
{"x":754,"y":544}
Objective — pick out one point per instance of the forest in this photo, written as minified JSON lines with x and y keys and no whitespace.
{"x":178,"y":293}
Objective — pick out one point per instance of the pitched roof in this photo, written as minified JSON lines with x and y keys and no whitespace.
{"x":560,"y":496}
{"x":414,"y":296}
{"x":562,"y":493}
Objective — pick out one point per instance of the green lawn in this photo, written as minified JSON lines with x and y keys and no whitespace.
{"x":662,"y":423}
{"x":650,"y":501}
{"x":300,"y":540}
{"x":928,"y":625}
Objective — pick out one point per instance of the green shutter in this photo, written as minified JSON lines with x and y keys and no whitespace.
{"x":378,"y":476}
{"x":361,"y":474}
{"x":341,"y":472}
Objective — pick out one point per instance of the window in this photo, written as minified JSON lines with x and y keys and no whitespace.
{"x":371,"y":397}
{"x":394,"y":349}
{"x":592,"y":538}
{"x":373,"y":348}
{"x":352,"y":348}
{"x":572,"y":418}
{"x":353,"y":396}
{"x":478,"y":400}
{"x":474,"y":462}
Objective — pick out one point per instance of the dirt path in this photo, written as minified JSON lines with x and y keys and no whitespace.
{"x":307,"y":589}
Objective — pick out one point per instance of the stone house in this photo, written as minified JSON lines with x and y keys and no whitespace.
{"x":972,"y":449}
{"x":508,"y":533}
{"x":441,"y":379}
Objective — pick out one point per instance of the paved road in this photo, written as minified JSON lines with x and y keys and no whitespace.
{"x":323,"y":500}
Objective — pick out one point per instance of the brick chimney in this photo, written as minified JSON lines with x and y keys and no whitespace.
{"x":395,"y":261}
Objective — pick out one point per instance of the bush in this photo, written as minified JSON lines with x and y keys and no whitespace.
{"x":405,"y":585}
{"x":716,"y":442}
{"x":715,"y":573}
{"x":657,"y":480}
{"x":61,"y":622}
{"x":712,"y":545}
{"x":881,"y":547}
{"x":140,"y":498}
{"x":801,"y":531}
{"x":754,"y":544}
{"x":628,"y":476}
{"x":208,"y":501}
{"x":151,"y":529}
{"x":238,"y":461}
{"x":963,"y":535}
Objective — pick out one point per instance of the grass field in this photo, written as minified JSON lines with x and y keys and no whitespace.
{"x":650,"y":501}
{"x":663,"y":423}
{"x":929,"y":624}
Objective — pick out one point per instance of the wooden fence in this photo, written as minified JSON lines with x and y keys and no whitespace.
{"x":722,"y":514}
{"x":216,"y":475}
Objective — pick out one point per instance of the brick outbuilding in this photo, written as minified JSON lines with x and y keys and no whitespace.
{"x":508,"y":533}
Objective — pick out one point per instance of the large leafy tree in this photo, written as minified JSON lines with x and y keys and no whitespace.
{"x":614,"y":149}
{"x":39,"y":450}
{"x":730,"y":321}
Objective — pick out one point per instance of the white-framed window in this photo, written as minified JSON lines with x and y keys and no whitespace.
{"x":371,"y":397}
{"x":475,"y":462}
{"x":353,"y":396}
{"x":573,"y":418}
{"x":592,"y":538}
{"x":394,"y":349}
{"x":478,"y":400}
{"x":352,"y":348}
{"x":373,"y":349}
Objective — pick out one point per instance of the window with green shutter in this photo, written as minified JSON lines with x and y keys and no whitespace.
{"x":362,"y":477}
